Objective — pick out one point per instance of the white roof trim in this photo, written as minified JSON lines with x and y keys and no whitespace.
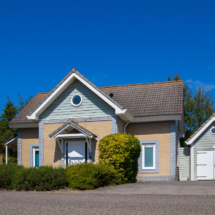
{"x":62,"y":87}
{"x":70,"y":125}
{"x":10,"y":141}
{"x":200,"y":131}
{"x":70,"y":136}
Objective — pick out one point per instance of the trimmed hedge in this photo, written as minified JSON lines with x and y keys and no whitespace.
{"x":85,"y":176}
{"x":7,"y":174}
{"x":122,"y":151}
{"x":43,"y":178}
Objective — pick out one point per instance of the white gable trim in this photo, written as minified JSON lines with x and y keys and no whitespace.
{"x":35,"y":115}
{"x":200,"y":131}
{"x":70,"y":125}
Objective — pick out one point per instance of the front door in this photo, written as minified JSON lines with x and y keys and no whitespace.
{"x":36,"y":157}
{"x":76,"y":151}
{"x":205,"y":165}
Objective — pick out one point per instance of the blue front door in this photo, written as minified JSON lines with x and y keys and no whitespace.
{"x":36,"y":158}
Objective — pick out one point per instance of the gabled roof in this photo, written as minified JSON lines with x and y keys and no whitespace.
{"x":200,"y":130}
{"x":74,"y":74}
{"x":22,"y":115}
{"x":139,"y":100}
{"x":151,"y":99}
{"x":74,"y":125}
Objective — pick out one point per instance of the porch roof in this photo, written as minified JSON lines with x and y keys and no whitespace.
{"x":12,"y":141}
{"x":74,"y":125}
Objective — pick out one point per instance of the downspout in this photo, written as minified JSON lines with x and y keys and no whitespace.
{"x":126,"y":126}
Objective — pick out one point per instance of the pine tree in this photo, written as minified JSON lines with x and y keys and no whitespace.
{"x":9,"y":112}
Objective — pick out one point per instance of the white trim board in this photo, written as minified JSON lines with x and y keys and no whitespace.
{"x":35,"y":115}
{"x":200,"y":131}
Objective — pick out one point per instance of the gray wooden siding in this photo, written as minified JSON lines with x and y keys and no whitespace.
{"x":205,"y":142}
{"x":184,"y":164}
{"x":91,"y":106}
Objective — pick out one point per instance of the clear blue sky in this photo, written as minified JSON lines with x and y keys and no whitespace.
{"x":110,"y":42}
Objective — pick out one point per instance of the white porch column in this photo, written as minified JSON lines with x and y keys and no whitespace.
{"x":6,"y":154}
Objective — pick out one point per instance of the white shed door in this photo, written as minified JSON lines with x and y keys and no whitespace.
{"x":204,"y":165}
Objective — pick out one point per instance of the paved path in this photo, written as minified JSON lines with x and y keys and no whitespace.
{"x":203,"y":188}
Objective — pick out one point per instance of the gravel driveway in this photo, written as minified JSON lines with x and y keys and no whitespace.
{"x":113,"y":200}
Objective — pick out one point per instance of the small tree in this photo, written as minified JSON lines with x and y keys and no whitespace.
{"x":122,"y":151}
{"x":199,"y":105}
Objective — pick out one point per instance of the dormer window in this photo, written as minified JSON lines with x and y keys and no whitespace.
{"x":76,"y":100}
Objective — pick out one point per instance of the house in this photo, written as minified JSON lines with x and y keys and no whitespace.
{"x":197,"y":161}
{"x":65,"y":125}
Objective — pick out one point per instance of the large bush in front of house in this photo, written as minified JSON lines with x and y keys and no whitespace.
{"x":121,"y":151}
{"x":43,"y":178}
{"x":84,"y":176}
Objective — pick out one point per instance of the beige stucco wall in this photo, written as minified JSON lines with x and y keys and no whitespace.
{"x":155,"y":132}
{"x":52,"y":153}
{"x":99,"y":128}
{"x":121,"y":125}
{"x":29,"y":135}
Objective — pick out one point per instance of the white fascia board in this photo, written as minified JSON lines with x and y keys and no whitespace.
{"x":61,"y":88}
{"x":11,"y":141}
{"x":51,"y":98}
{"x":70,"y":125}
{"x":59,"y":131}
{"x":24,"y":125}
{"x":157,"y":118}
{"x":125,"y":115}
{"x":117,"y":109}
{"x":200,"y":132}
{"x":70,"y":136}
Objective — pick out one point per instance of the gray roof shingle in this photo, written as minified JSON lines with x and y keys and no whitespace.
{"x":151,"y":99}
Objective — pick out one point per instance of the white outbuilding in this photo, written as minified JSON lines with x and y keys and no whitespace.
{"x":197,"y":161}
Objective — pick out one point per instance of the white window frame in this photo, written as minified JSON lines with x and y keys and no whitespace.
{"x":143,"y":155}
{"x":77,"y":104}
{"x":34,"y":151}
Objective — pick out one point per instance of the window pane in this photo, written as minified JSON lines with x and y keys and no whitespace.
{"x":76,"y":99}
{"x":36,"y":158}
{"x":148,"y":157}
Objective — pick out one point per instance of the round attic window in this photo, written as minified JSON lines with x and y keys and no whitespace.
{"x":213,"y":130}
{"x":76,"y":100}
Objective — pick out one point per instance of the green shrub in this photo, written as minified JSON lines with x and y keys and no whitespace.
{"x":42,"y":178}
{"x":85,"y":176}
{"x":7,"y":174}
{"x":11,"y":160}
{"x":122,"y":151}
